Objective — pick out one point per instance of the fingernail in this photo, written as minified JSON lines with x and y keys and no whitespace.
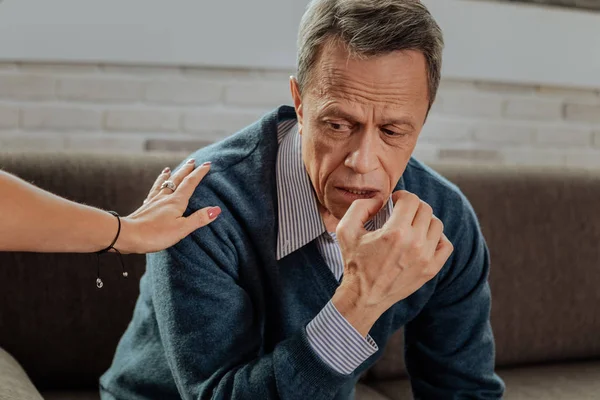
{"x":214,"y":212}
{"x":206,"y":163}
{"x":191,"y":161}
{"x":166,"y":170}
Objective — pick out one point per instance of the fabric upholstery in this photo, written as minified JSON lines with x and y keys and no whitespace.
{"x":543,"y":228}
{"x":364,"y":392}
{"x":578,"y":381}
{"x":72,"y":395}
{"x":14,"y":382}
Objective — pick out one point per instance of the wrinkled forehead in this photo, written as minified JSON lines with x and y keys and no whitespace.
{"x":393,"y":80}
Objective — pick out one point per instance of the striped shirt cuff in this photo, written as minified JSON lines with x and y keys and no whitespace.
{"x":336,"y":341}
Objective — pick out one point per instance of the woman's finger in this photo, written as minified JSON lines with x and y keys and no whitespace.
{"x":189,"y":183}
{"x":164,"y":175}
{"x":181,"y":173}
{"x":201,"y":218}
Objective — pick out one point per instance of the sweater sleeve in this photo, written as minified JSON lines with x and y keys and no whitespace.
{"x":450,"y":345}
{"x":212,"y":338}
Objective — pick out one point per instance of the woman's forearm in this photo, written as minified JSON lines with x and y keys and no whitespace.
{"x":34,"y":220}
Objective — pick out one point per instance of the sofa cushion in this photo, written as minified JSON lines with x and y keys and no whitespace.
{"x":14,"y":382}
{"x":391,"y":364}
{"x":364,"y":392}
{"x":568,"y":381}
{"x":74,"y":395}
{"x":395,"y":389}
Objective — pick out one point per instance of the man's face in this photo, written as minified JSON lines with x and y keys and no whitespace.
{"x":359,"y":121}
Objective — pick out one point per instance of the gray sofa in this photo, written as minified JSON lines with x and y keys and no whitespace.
{"x":542,"y":227}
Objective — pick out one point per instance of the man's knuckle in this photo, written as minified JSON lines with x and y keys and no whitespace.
{"x":437,"y":228}
{"x":392,"y":235}
{"x":429,"y":273}
{"x":426,"y":207}
{"x":416,"y":246}
{"x":413,"y":198}
{"x":341,"y":229}
{"x":418,"y":256}
{"x":450,"y":246}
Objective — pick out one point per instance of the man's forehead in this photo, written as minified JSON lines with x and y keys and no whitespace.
{"x":338,"y":71}
{"x":335,"y":92}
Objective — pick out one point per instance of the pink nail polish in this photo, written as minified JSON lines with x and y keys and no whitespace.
{"x":166,"y":170}
{"x":206,"y":163}
{"x":214,"y":212}
{"x":191,"y":161}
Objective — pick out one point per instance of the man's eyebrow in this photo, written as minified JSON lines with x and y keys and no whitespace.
{"x":337,"y":113}
{"x":399,"y":122}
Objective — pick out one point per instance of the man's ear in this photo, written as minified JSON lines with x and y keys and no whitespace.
{"x":295,"y":89}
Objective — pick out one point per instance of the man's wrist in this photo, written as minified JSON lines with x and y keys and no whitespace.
{"x":354,"y":308}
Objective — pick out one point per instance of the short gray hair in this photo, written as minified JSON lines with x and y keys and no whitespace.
{"x":370,"y":28}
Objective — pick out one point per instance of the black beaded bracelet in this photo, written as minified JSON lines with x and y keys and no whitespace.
{"x":99,"y":282}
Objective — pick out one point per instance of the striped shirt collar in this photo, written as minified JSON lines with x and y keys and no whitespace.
{"x":299,"y":219}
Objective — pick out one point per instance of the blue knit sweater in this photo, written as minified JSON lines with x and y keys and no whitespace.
{"x":218,"y":317}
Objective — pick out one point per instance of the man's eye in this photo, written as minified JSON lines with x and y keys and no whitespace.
{"x":392,"y":133}
{"x":339,"y":127}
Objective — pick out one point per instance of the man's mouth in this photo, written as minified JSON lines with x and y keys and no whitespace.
{"x":358,"y":193}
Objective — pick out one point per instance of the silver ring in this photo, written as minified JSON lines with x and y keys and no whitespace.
{"x":168,"y":185}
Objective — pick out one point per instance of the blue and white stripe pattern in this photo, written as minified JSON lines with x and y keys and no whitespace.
{"x":332,"y":337}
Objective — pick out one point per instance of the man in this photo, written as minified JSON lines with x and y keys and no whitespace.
{"x":331,"y":238}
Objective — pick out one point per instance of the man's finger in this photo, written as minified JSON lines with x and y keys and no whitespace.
{"x":434,"y":235}
{"x":406,"y":205}
{"x":422,"y":219}
{"x":189,"y":184}
{"x":201,"y":218}
{"x":443,"y":251}
{"x":164,"y":175}
{"x":360,"y":211}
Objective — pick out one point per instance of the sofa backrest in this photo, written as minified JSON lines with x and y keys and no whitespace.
{"x":543,"y":230}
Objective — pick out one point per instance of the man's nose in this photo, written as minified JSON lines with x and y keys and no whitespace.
{"x":362,"y":157}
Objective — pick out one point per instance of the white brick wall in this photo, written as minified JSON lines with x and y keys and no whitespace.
{"x":534,"y":108}
{"x":142,"y":120}
{"x":583,"y":112}
{"x":130,"y":109}
{"x":176,"y":92}
{"x":99,"y":90}
{"x":60,"y":118}
{"x":9,"y":117}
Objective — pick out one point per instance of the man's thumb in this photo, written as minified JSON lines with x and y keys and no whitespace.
{"x":360,"y":211}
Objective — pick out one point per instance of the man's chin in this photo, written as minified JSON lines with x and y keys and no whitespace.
{"x":339,"y":212}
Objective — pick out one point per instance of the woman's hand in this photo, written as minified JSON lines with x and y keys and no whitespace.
{"x":159,"y":222}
